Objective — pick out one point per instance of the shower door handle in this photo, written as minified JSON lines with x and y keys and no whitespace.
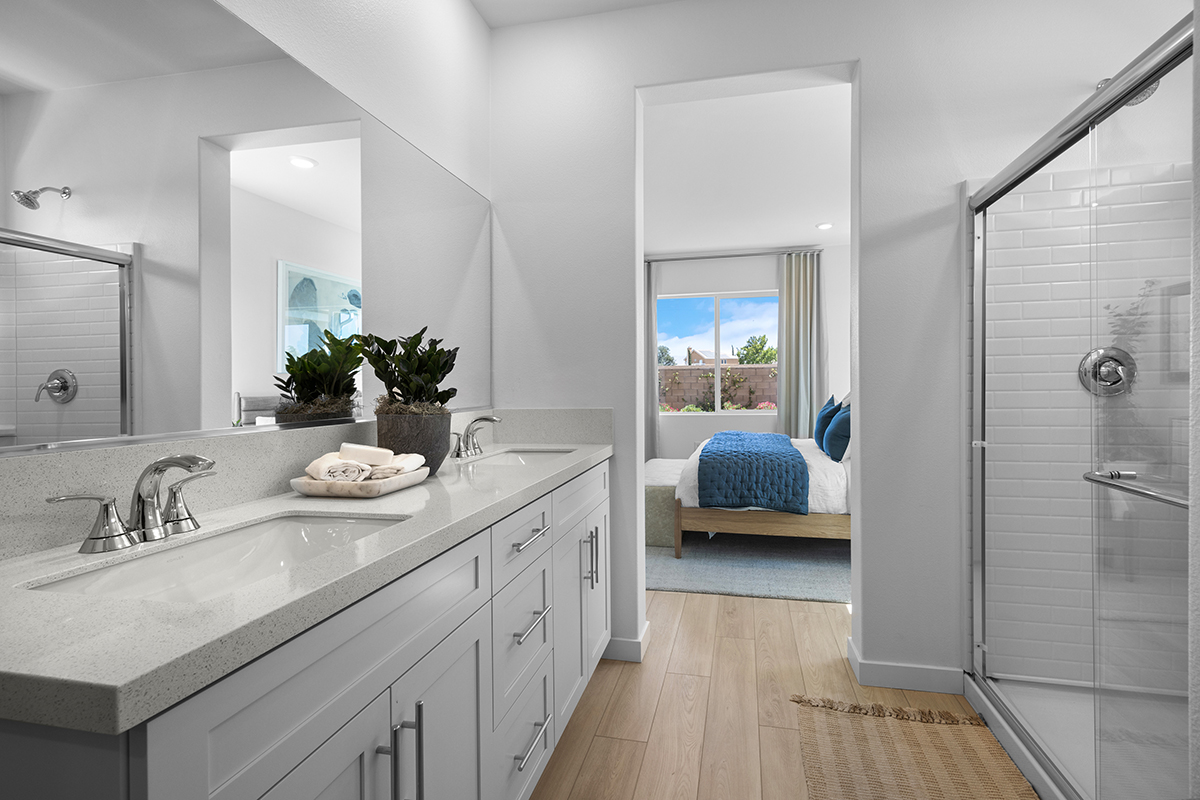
{"x":1120,"y":482}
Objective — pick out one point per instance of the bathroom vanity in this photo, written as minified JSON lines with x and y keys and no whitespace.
{"x":439,"y":656}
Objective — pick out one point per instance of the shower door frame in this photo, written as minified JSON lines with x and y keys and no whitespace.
{"x":1164,"y":55}
{"x":124,"y":264}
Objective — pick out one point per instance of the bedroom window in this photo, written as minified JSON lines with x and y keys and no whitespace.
{"x":717,"y":353}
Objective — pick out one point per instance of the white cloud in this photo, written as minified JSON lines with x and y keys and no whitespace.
{"x":739,"y":321}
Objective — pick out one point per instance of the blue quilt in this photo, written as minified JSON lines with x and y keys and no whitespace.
{"x":738,"y":468}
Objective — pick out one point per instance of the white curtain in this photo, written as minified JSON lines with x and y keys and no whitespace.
{"x":803,"y":350}
{"x":651,"y":391}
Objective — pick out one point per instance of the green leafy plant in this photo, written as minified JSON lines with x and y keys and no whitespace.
{"x":321,"y":380}
{"x":411,"y":369}
{"x":757,"y":352}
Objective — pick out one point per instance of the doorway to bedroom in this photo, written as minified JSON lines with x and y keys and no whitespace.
{"x":747,"y":273}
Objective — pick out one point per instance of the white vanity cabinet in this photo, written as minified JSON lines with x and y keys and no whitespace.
{"x":582,"y":627}
{"x":441,"y":706}
{"x":451,"y":682}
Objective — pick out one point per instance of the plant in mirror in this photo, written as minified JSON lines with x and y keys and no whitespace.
{"x":320,"y":384}
{"x":185,"y":148}
{"x":411,"y":413}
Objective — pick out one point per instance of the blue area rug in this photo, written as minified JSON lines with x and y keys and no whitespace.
{"x":753,"y":566}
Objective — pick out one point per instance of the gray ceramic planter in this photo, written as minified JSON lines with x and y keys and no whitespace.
{"x":427,"y":434}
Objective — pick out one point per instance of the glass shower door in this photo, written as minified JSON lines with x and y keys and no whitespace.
{"x":1140,"y":296}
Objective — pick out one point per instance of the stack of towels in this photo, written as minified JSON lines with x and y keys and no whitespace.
{"x":359,"y":462}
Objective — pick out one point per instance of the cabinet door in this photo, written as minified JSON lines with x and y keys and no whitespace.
{"x":598,"y":626}
{"x":442,"y":740}
{"x":572,"y":559}
{"x":346,"y":767}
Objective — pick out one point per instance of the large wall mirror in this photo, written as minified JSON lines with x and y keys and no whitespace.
{"x":193,"y":143}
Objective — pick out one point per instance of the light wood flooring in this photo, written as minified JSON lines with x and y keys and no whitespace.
{"x":706,"y":715}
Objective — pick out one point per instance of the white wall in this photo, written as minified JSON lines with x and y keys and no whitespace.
{"x":261,"y":233}
{"x":420,"y":66}
{"x":939,"y":97}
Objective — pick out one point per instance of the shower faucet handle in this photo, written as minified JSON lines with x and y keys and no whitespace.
{"x":61,"y":386}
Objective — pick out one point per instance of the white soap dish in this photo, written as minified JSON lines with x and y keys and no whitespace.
{"x":307,"y":486}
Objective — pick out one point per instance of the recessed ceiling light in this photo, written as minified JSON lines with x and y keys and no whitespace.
{"x":824,"y":226}
{"x":302,"y":162}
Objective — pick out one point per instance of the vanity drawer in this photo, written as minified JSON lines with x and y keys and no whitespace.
{"x":521,"y":734}
{"x":515,"y":610}
{"x":519,"y":530}
{"x":578,"y":496}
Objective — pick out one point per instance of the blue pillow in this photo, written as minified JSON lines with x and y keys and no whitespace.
{"x":824,"y":417}
{"x":837,"y":436}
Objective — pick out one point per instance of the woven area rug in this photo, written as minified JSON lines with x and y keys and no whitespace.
{"x":753,"y":566}
{"x":876,"y":752}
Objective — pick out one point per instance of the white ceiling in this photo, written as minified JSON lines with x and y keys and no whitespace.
{"x":748,"y":172}
{"x":499,"y":13}
{"x":61,"y":44}
{"x":331,"y":191}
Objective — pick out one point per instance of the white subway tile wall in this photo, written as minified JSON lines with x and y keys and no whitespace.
{"x":8,"y":347}
{"x":60,"y":312}
{"x":1079,"y":260}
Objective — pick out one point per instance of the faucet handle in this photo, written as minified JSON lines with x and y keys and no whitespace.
{"x":177,"y":518}
{"x":108,"y":532}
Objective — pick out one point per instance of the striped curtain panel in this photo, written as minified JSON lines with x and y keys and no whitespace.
{"x":803,"y":351}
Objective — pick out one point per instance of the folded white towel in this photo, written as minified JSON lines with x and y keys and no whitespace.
{"x":400,"y":464}
{"x":331,"y":468}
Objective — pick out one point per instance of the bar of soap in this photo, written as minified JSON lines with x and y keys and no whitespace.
{"x":365,"y":454}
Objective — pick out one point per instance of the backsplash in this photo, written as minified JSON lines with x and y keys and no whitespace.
{"x":250,"y":466}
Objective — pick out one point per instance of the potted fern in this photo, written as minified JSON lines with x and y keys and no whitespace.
{"x":320,"y":383}
{"x":411,"y":415}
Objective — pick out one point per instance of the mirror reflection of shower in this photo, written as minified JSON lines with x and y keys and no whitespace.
{"x":29,"y":199}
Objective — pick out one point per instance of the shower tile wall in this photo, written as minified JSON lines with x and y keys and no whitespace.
{"x":66,"y":315}
{"x":8,"y":348}
{"x":1040,"y":426}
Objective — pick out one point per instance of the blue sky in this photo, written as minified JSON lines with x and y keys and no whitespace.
{"x":688,"y":321}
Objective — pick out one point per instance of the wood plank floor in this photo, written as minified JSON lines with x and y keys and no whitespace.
{"x":706,"y":715}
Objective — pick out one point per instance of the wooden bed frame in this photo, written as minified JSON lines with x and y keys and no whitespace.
{"x":764,"y":523}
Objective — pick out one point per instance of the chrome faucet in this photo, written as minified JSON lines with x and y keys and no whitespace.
{"x":145,"y":513}
{"x":468,"y":445}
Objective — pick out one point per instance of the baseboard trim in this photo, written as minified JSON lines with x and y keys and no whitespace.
{"x":629,"y":649}
{"x":1029,"y":766}
{"x":919,"y":677}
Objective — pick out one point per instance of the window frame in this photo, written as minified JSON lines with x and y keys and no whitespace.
{"x":718,"y":404}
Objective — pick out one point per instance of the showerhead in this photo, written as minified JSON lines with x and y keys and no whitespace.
{"x":1140,"y":97}
{"x":30,"y":199}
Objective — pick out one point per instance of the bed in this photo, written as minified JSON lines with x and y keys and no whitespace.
{"x":828,"y":517}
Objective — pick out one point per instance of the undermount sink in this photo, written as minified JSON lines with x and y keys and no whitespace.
{"x":521,"y":458}
{"x":208,"y":568}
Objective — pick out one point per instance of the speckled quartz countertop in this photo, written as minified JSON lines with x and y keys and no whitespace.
{"x":106,"y":665}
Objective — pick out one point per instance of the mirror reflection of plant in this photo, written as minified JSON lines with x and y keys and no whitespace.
{"x":411,"y":370}
{"x":1123,"y":434}
{"x":321,"y":380}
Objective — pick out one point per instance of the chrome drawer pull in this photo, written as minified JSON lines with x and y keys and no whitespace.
{"x":394,"y":751}
{"x":419,"y":726}
{"x":544,"y":726}
{"x":521,"y":637}
{"x":537,"y":534}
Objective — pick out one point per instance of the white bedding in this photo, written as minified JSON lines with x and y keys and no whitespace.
{"x":828,"y":480}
